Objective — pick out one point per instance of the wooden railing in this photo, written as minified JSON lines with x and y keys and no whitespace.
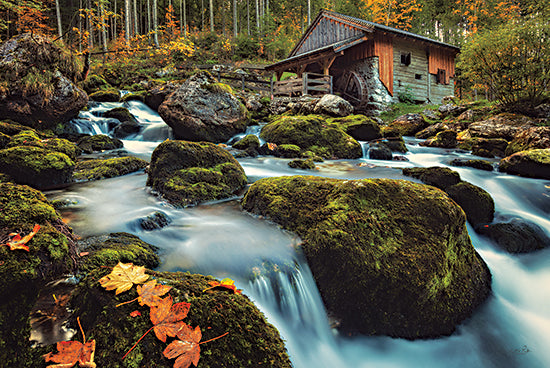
{"x":310,"y":83}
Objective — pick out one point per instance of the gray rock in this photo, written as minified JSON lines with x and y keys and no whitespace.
{"x":203,"y":110}
{"x":333,"y":105}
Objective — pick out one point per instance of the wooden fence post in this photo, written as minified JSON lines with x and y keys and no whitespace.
{"x":304,"y":84}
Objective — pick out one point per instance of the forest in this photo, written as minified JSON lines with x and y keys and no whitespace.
{"x":245,"y":28}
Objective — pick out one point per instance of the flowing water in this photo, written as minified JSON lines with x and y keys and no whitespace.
{"x":509,"y":330}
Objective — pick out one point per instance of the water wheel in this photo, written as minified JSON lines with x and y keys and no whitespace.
{"x":353,"y":87}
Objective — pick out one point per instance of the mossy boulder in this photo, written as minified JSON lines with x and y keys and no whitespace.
{"x":251,"y":341}
{"x":11,"y":128}
{"x":532,"y":138}
{"x":444,"y":139}
{"x":36,"y":166}
{"x":505,"y":126}
{"x":532,"y":164}
{"x":439,"y":177}
{"x":360,"y":127}
{"x":516,"y":235}
{"x":23,"y":274}
{"x":134,"y":96}
{"x":107,"y":168}
{"x":312,"y":133}
{"x":99,"y":142}
{"x":94,"y":82}
{"x":405,"y":125}
{"x":379,"y":151}
{"x":287,"y":151}
{"x":476,"y":202}
{"x":4,"y":140}
{"x":31,"y":138}
{"x":187,"y":173}
{"x":37,"y":81}
{"x":476,"y":164}
{"x":203,"y":110}
{"x":302,"y":164}
{"x":120,"y":113}
{"x":249,"y":142}
{"x":110,"y":95}
{"x":107,"y":251}
{"x":390,"y":257}
{"x":484,"y":147}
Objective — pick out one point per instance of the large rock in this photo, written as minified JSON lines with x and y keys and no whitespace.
{"x":532,"y":164}
{"x":31,"y":138}
{"x":535,"y":137}
{"x":157,"y":94}
{"x":439,"y":177}
{"x":406,"y":125}
{"x":516,"y":235}
{"x":38,"y":82}
{"x":248,"y":340}
{"x":23,"y":274}
{"x":203,"y":110}
{"x":443,"y":139}
{"x":389,"y":257}
{"x":333,"y":105}
{"x":476,"y":202}
{"x":36,"y":166}
{"x":187,"y":173}
{"x":484,"y":147}
{"x":360,"y":127}
{"x":504,"y":125}
{"x":99,"y":142}
{"x":312,"y":133}
{"x":107,"y":168}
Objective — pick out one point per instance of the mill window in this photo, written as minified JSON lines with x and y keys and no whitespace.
{"x":406,"y":58}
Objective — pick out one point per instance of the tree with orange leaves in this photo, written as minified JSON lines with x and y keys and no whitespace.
{"x":393,"y":13}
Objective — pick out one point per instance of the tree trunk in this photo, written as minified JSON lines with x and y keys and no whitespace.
{"x":258,"y":16}
{"x":149,"y":20}
{"x":79,"y":26}
{"x":235,"y":18}
{"x":155,"y":24}
{"x":308,"y":12}
{"x":184,"y":18}
{"x":136,"y":28}
{"x":127,"y":13}
{"x":58,"y":13}
{"x":90,"y":28}
{"x":103,"y":23}
{"x":248,"y":17}
{"x":211,"y":15}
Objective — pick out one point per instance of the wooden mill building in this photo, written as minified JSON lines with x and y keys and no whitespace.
{"x":372,"y":64}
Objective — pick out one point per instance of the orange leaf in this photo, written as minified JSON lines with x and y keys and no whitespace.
{"x":135,"y":313}
{"x":18,"y":242}
{"x":167,"y":317}
{"x":72,"y":352}
{"x":123,"y":277}
{"x":186,"y":349}
{"x":150,"y":293}
{"x":226,"y":284}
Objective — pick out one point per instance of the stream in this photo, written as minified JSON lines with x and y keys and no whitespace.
{"x":510,"y":330}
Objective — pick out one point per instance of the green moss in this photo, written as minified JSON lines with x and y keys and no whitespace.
{"x":94,"y":83}
{"x":36,"y":166}
{"x":23,"y":273}
{"x":218,"y":88}
{"x":476,"y":164}
{"x":312,"y":133}
{"x":251,"y":342}
{"x":532,"y":163}
{"x":111,"y":95}
{"x":399,"y":109}
{"x":396,"y":249}
{"x":99,"y":142}
{"x":11,"y":128}
{"x":475,"y":201}
{"x":439,"y":177}
{"x":120,"y":113}
{"x":302,"y":164}
{"x":134,"y":96}
{"x":288,"y":151}
{"x":25,"y":138}
{"x":249,"y":141}
{"x":107,"y":168}
{"x":187,"y":173}
{"x":359,"y":127}
{"x":118,"y":247}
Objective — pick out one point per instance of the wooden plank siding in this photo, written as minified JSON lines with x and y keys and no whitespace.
{"x":383,"y":48}
{"x":326,"y":32}
{"x":442,"y":59}
{"x":405,"y":76}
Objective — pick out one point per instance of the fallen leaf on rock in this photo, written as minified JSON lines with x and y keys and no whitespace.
{"x":18,"y":242}
{"x":71,"y":352}
{"x":167,"y":317}
{"x":123,"y":277}
{"x":226,"y":284}
{"x":186,"y":348}
{"x":150,"y":293}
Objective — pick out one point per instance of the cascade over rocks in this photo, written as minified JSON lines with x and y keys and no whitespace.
{"x":203,"y":110}
{"x":186,"y":173}
{"x":37,"y":85}
{"x":390,"y":257}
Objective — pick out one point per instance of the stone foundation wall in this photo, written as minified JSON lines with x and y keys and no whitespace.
{"x":378,"y":95}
